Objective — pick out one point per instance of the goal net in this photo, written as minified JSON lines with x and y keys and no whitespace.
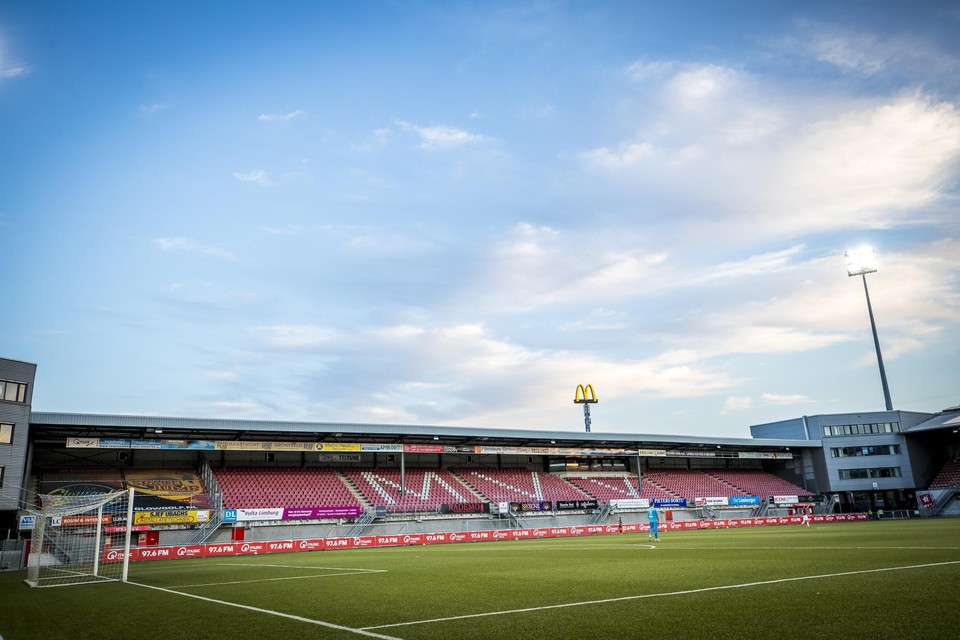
{"x":80,"y":539}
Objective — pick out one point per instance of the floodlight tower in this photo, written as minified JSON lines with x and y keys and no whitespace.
{"x":586,"y":396}
{"x":860,"y":262}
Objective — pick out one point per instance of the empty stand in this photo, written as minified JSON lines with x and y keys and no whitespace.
{"x":425,"y":489}
{"x":755,"y":482}
{"x":949,"y":476}
{"x":691,"y":484}
{"x":258,"y":488}
{"x":520,"y":485}
{"x":608,"y":487}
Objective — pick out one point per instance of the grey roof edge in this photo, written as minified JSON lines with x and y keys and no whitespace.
{"x":226,"y":424}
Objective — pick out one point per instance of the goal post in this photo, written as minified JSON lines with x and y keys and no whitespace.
{"x":81,"y":539}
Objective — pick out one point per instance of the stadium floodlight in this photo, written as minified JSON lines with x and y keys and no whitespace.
{"x":860,"y":262}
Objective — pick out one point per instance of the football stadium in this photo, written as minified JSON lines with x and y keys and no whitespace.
{"x":815,"y":527}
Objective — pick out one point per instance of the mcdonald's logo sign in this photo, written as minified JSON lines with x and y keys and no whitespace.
{"x":585,"y":393}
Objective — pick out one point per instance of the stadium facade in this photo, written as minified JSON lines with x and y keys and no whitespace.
{"x":876,"y":460}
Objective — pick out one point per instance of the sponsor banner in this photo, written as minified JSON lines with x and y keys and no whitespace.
{"x":181,"y":516}
{"x":720,"y":501}
{"x":237,"y":445}
{"x":51,"y":491}
{"x":436,"y":538}
{"x":114,"y":443}
{"x":788,"y":499}
{"x":319,"y":513}
{"x":570,"y":505}
{"x":765,"y":455}
{"x":347,"y":447}
{"x":738,"y":500}
{"x":383,"y":448}
{"x":289,"y":546}
{"x":633,"y":503}
{"x":178,"y":485}
{"x":214,"y":550}
{"x":290,"y":513}
{"x":83,"y":443}
{"x":313,"y":544}
{"x":423,"y":448}
{"x":675,"y":502}
{"x":288,"y":446}
{"x":460,"y":449}
{"x":27,"y":522}
{"x":339,"y":457}
{"x":79,"y":521}
{"x":465,"y":507}
{"x":338,"y":446}
{"x":255,"y":515}
{"x":121,"y":528}
{"x":531,"y":505}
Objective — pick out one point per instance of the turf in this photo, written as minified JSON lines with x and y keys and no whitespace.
{"x":848,"y":580}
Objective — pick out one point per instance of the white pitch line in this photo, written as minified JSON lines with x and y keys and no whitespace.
{"x":247,"y":565}
{"x":315,"y":575}
{"x":320,"y":623}
{"x":658,"y":595}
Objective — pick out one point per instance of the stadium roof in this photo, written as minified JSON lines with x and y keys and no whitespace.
{"x":946,"y":419}
{"x":46,"y":426}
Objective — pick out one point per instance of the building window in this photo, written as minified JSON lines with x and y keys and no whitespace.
{"x":6,"y":433}
{"x":13,"y":391}
{"x":874,"y":450}
{"x":861,"y":429}
{"x":875,"y":472}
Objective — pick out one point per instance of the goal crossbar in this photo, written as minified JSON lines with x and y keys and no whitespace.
{"x":81,"y":539}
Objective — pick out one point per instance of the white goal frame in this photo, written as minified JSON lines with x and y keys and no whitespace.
{"x":63,"y":554}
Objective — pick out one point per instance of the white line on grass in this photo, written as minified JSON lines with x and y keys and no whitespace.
{"x":247,"y":565}
{"x":320,"y":623}
{"x":315,"y":575}
{"x":658,"y":595}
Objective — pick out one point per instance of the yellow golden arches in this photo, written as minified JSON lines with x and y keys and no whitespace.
{"x":585,"y":393}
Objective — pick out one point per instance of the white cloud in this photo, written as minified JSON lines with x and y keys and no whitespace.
{"x":303,"y":336}
{"x":281,"y":117}
{"x":695,"y":85}
{"x":869,"y":54}
{"x":784,"y":399}
{"x":735,"y":157}
{"x":257,"y":176}
{"x":191,"y":246}
{"x":627,"y":154}
{"x":153,"y":107}
{"x":439,"y":136}
{"x":12,"y":72}
{"x":9,"y":69}
{"x":743,"y":403}
{"x":874,"y":166}
{"x":737,"y":403}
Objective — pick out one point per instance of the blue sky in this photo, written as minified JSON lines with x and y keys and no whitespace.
{"x":455,"y":213}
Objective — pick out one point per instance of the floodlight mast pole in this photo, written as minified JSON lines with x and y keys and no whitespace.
{"x":876,"y":345}
{"x":860,"y":263}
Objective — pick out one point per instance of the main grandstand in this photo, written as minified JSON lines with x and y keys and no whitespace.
{"x":209,"y":481}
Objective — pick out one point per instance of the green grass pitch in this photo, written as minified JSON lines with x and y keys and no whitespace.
{"x":896,"y":579}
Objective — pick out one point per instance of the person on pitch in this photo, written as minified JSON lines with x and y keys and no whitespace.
{"x":654,"y":517}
